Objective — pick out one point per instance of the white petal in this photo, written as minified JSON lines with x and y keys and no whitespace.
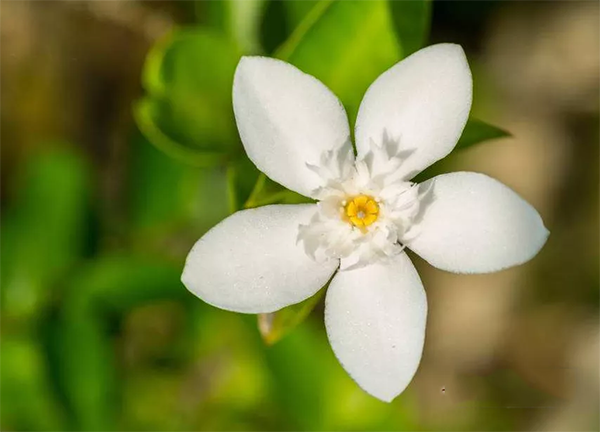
{"x":251,"y":262}
{"x":423,"y":102}
{"x":475,"y":224}
{"x":375,"y":318}
{"x":286,"y":119}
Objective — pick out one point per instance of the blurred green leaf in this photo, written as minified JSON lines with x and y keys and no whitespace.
{"x":117,"y":283}
{"x":83,"y":351}
{"x":477,"y":131}
{"x":43,"y":233}
{"x":84,"y":369}
{"x":346,"y":45}
{"x":242,"y":176}
{"x":280,"y":19}
{"x":151,"y":115}
{"x":242,"y":380}
{"x":240,"y":20}
{"x":28,"y":402}
{"x":158,"y":188}
{"x":273,"y":326}
{"x":274,"y":29}
{"x":187,"y":112}
{"x":412,"y":19}
{"x":296,"y":11}
{"x":302,"y":365}
{"x":212,"y":202}
{"x":167,"y":197}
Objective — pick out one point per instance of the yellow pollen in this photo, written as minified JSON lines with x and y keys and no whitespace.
{"x":361,"y":211}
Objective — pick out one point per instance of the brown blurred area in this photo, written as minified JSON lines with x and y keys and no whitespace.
{"x":531,"y":331}
{"x":526,"y":338}
{"x":70,"y":73}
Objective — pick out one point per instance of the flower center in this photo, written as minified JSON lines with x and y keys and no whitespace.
{"x":361,"y":211}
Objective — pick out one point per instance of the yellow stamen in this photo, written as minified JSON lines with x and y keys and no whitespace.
{"x":361,"y":211}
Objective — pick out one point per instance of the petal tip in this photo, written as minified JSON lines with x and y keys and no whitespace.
{"x":449,"y":46}
{"x":244,"y":60}
{"x":454,"y":52}
{"x":388,"y":395}
{"x":189,"y":281}
{"x":185,"y":279}
{"x":387,"y":398}
{"x":248,"y":59}
{"x":543,"y":239}
{"x":247,"y":64}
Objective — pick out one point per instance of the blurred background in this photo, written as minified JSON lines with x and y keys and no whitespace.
{"x":119,"y":149}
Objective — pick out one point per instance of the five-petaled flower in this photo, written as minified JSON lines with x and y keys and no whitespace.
{"x":296,"y":131}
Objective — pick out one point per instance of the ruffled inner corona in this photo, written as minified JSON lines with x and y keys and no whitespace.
{"x":361,"y":211}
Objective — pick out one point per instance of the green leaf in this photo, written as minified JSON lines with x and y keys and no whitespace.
{"x":241,"y":176}
{"x":150,"y":115}
{"x":275,"y":325}
{"x":296,"y":11}
{"x":43,"y":233}
{"x":266,"y":191}
{"x":280,"y":19}
{"x":477,"y":131}
{"x":346,"y":45}
{"x":187,"y":112}
{"x":412,"y":19}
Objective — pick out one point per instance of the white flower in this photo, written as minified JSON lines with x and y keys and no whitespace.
{"x":296,"y":131}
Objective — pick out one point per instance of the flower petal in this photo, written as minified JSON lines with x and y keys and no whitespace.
{"x":422,"y":102}
{"x":375,"y":318}
{"x":286,"y":119}
{"x":475,"y":224}
{"x":251,"y":262}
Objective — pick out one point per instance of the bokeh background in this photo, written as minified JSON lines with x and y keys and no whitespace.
{"x":119,"y":150}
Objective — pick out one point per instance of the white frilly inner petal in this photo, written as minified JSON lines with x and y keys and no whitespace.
{"x":330,"y":235}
